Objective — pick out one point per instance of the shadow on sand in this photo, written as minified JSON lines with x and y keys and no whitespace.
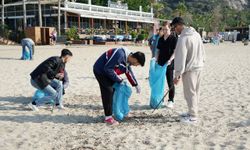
{"x":19,"y":104}
{"x":83,"y":119}
{"x":40,"y":118}
{"x":14,"y":103}
{"x":244,"y":123}
{"x":6,"y":58}
{"x":100,"y":107}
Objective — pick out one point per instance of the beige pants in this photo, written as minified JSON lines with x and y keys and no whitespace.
{"x":191,"y":85}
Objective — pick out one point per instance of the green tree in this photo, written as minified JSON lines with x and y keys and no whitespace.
{"x":242,"y":19}
{"x":135,"y":4}
{"x":181,"y":9}
{"x":158,"y":10}
{"x":216,"y":19}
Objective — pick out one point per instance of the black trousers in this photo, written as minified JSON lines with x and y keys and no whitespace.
{"x":170,"y":81}
{"x":107,"y":92}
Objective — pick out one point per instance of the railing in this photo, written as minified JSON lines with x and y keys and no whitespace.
{"x":90,"y":9}
{"x":28,"y":12}
{"x":47,"y":1}
{"x":101,"y":9}
{"x":7,"y":4}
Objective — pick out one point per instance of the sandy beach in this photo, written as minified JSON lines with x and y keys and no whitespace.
{"x":224,"y":107}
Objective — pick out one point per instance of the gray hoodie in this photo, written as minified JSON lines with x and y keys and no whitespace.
{"x":189,"y":52}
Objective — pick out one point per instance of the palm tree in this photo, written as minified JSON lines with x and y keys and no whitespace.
{"x":181,"y":9}
{"x":158,"y":9}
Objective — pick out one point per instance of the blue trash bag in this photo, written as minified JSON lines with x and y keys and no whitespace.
{"x":120,"y":100}
{"x":40,"y":94}
{"x":26,"y":55}
{"x":157,"y":82}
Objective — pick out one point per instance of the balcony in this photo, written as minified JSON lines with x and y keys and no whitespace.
{"x":100,"y":12}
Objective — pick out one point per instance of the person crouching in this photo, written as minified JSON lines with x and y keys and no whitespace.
{"x":45,"y":77}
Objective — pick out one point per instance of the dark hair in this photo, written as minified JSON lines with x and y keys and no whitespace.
{"x":160,"y":28}
{"x":66,"y":52}
{"x":140,"y":57}
{"x":177,"y":21}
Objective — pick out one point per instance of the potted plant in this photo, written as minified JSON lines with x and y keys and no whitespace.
{"x":72,"y":34}
{"x":134,"y":35}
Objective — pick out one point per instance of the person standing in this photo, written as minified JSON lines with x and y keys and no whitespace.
{"x":166,"y":46}
{"x":153,"y":42}
{"x":189,"y":62}
{"x":107,"y":69}
{"x":53,"y":37}
{"x":29,"y":43}
{"x":47,"y":77}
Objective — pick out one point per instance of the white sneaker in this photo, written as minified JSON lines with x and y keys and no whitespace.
{"x":170,"y":104}
{"x":33,"y":107}
{"x":60,"y":106}
{"x":189,"y":119}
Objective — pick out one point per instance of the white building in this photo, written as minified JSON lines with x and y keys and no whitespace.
{"x":20,"y":14}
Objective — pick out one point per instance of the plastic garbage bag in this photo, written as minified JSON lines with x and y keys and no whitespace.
{"x":26,"y":55}
{"x":157,"y":82}
{"x":120,"y":100}
{"x":40,"y":94}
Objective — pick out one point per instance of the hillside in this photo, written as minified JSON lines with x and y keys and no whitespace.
{"x":203,"y":6}
{"x":238,"y":4}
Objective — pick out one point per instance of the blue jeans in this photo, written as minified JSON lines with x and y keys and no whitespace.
{"x":51,"y":94}
{"x":30,"y":47}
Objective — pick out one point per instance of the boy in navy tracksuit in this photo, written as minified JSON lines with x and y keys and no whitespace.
{"x":107,"y":69}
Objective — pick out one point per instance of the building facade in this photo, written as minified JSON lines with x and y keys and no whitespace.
{"x":28,"y":13}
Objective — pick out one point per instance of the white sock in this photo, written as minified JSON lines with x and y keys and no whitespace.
{"x":108,"y":117}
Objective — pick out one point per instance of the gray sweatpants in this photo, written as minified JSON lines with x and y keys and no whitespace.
{"x":191,"y":86}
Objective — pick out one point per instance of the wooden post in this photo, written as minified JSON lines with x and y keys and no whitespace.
{"x":65,"y":15}
{"x":79,"y":23}
{"x":92,"y":26}
{"x":59,"y":17}
{"x":137,"y":25}
{"x":24,"y":15}
{"x":40,"y":13}
{"x":126,"y":27}
{"x":2,"y":12}
{"x":65,"y":20}
{"x":90,"y":23}
{"x":105,"y":24}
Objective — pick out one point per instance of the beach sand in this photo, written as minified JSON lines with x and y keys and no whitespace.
{"x":224,"y":106}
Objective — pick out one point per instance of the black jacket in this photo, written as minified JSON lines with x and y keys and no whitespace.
{"x":46,"y":71}
{"x":166,"y":49}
